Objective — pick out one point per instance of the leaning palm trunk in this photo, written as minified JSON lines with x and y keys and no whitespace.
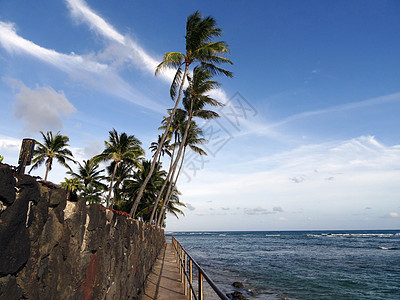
{"x":169,"y":192}
{"x":163,"y":187}
{"x":111,"y":184}
{"x":48,"y":166}
{"x":142,"y":188}
{"x":171,"y":184}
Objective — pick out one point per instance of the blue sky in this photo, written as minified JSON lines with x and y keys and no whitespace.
{"x":308,"y":139}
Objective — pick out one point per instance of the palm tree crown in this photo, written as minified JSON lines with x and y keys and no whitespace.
{"x":120,"y":149}
{"x":200,"y":48}
{"x":53,"y":147}
{"x":89,"y":173}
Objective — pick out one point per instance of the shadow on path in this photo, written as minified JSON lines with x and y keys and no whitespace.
{"x":164,"y":281}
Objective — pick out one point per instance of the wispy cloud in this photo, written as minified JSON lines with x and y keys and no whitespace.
{"x":13,"y":43}
{"x":258,"y":211}
{"x":272,"y":129}
{"x":81,"y":12}
{"x":364,"y":170}
{"x":337,"y":108}
{"x":79,"y":68}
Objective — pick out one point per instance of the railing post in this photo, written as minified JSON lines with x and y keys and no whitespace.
{"x":182,"y":258}
{"x":184,"y":273}
{"x":200,"y":286}
{"x":191,"y":277}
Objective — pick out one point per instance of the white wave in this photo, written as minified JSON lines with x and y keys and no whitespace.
{"x":352,"y":235}
{"x":389,"y":248}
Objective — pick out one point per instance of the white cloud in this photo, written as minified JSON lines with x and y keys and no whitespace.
{"x":190,"y":207}
{"x":82,"y":69}
{"x":278,"y":209}
{"x":257,"y":211}
{"x":80,"y":10}
{"x":343,"y":107}
{"x":68,"y":63}
{"x":128,"y":49}
{"x":393,"y":215}
{"x":41,"y":108}
{"x":9,"y":149}
{"x":364,"y":170}
{"x":9,"y":143}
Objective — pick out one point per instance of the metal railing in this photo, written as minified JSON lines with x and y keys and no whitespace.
{"x":185,"y":264}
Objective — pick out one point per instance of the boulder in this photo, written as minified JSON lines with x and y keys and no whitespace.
{"x":236,"y":296}
{"x":7,"y":185}
{"x":238,"y":285}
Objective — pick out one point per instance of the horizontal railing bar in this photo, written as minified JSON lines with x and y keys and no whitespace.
{"x":205,"y":275}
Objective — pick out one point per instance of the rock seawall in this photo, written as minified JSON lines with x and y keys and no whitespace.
{"x":51,"y":248}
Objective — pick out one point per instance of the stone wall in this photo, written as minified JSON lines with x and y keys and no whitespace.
{"x":51,"y":248}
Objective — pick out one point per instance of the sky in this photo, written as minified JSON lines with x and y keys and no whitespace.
{"x":308,"y":138}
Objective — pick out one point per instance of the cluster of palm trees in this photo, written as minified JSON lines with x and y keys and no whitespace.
{"x":140,"y":186}
{"x":126,"y":171}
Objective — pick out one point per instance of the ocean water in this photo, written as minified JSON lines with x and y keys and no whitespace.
{"x":300,"y":264}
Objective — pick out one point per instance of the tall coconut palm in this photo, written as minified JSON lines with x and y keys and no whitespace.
{"x":122,"y":174}
{"x":120,"y":148}
{"x":192,"y":140}
{"x":194,"y":101}
{"x":152,"y":189}
{"x":200,"y":48}
{"x":175,"y":132}
{"x":172,"y":207}
{"x":165,"y":150}
{"x":53,"y":147}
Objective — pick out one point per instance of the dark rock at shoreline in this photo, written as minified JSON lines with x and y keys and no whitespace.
{"x":236,"y":296}
{"x":238,"y":285}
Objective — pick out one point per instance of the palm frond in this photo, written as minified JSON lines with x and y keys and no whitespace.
{"x":170,"y":59}
{"x":176,"y":83}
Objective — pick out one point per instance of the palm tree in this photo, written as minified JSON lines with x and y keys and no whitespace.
{"x":120,"y":149}
{"x":72,"y":186}
{"x":174,"y":131}
{"x":122,"y":174}
{"x":54,"y":147}
{"x":172,"y":206}
{"x":93,"y":193}
{"x":164,"y":150}
{"x":192,"y":140}
{"x":89,"y":173}
{"x":152,"y":189}
{"x":194,"y":101}
{"x":200,"y":48}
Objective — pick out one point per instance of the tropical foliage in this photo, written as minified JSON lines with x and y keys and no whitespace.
{"x":120,"y":149}
{"x":120,"y":177}
{"x":200,"y":49}
{"x":53,"y":147}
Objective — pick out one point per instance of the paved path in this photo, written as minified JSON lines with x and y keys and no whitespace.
{"x":163,"y":283}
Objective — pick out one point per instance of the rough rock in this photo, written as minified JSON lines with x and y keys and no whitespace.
{"x":238,"y":285}
{"x":7,"y":185}
{"x":9,"y":288}
{"x":236,"y":296}
{"x":51,"y":248}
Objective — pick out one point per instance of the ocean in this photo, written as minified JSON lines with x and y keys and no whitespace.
{"x":300,"y":264}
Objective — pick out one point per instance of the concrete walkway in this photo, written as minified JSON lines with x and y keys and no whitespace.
{"x":164,"y":280}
